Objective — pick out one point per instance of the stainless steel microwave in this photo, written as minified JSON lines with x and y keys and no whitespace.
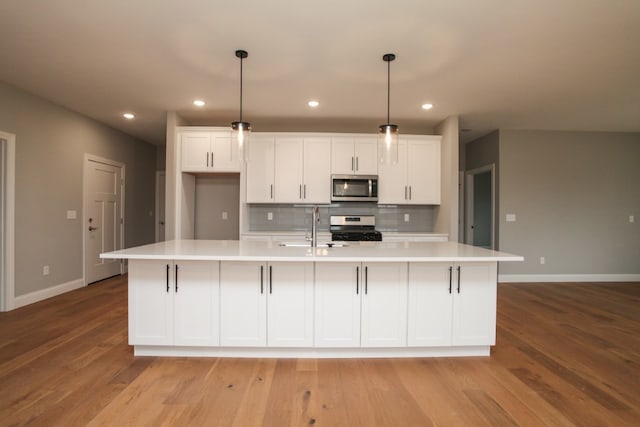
{"x":354,"y":188}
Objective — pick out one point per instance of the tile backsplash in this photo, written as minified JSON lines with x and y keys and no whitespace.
{"x":421,"y":219}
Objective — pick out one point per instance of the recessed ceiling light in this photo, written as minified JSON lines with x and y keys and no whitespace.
{"x":427,"y":106}
{"x":313,"y":104}
{"x":128,"y":116}
{"x":199,"y":103}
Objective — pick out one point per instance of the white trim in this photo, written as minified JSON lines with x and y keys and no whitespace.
{"x":43,"y":294}
{"x":122,"y":166}
{"x":9,"y":264}
{"x":547,"y":278}
{"x":315,"y":353}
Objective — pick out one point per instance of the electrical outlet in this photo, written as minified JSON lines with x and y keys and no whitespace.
{"x":269,"y":216}
{"x":224,"y":215}
{"x":631,"y":218}
{"x":45,"y":270}
{"x":406,"y":217}
{"x":542,"y":260}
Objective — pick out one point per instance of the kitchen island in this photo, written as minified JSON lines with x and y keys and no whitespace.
{"x":263,"y":299}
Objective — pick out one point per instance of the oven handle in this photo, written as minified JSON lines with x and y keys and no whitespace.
{"x":370,"y":187}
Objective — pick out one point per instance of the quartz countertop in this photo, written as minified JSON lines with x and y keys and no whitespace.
{"x":242,"y":250}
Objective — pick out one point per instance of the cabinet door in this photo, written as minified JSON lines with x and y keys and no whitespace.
{"x":317,"y":165}
{"x":150,"y":302}
{"x":430,"y":304}
{"x":337,"y":304}
{"x":342,"y":156}
{"x":196,"y":291}
{"x":474,"y":304}
{"x":384,"y":305}
{"x":290,"y":304}
{"x":260,"y":170}
{"x":224,"y":153}
{"x":196,"y":147}
{"x":288,"y":173}
{"x":366,"y":154}
{"x":392,"y":184}
{"x":243,"y":304}
{"x":423,"y":172}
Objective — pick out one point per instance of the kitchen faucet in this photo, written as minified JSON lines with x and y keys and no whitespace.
{"x":315,"y":219}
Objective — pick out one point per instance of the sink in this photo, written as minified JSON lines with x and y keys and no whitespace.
{"x":308,"y":244}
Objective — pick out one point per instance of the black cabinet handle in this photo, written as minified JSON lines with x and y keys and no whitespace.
{"x":270,"y":279}
{"x":176,"y":278}
{"x":458,"y":279}
{"x":366,"y":280}
{"x":357,"y":279}
{"x":262,"y":279}
{"x":167,"y":278}
{"x":450,"y":277}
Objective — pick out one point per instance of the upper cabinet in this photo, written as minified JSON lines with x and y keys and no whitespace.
{"x":415,"y":179}
{"x":289,"y":169}
{"x":209,"y":151}
{"x":354,"y":155}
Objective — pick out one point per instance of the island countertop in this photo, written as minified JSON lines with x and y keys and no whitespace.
{"x":241,"y":250}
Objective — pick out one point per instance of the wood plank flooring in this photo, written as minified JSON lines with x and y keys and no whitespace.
{"x":566,"y":355}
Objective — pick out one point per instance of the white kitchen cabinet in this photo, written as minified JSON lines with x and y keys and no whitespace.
{"x":289,"y":169}
{"x":360,"y":305}
{"x":290,"y":304}
{"x":452,"y":304}
{"x":266,"y":304}
{"x":209,"y":151}
{"x":415,"y":179}
{"x":261,"y":170}
{"x":337,"y":304}
{"x":302,"y":170}
{"x":196,"y":293}
{"x":384,"y":304}
{"x":173,"y":303}
{"x":354,"y":155}
{"x":243,"y":304}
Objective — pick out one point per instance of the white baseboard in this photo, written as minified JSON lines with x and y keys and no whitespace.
{"x":30,"y":298}
{"x":545,"y":278}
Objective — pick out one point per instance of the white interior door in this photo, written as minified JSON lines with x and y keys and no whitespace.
{"x":103,"y":218}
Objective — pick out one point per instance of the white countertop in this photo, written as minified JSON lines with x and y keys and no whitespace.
{"x":242,"y":250}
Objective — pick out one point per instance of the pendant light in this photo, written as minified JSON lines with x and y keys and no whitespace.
{"x":388,"y":138}
{"x":240,"y":129}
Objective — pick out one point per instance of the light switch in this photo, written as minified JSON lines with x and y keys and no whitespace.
{"x":511,"y":217}
{"x":406,"y":217}
{"x":72,"y":214}
{"x":631,"y":218}
{"x":224,"y":215}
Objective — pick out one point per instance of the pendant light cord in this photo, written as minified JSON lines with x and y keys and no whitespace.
{"x":241,"y":59}
{"x":388,"y":89}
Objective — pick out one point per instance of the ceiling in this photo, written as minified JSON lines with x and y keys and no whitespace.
{"x":544,"y":64}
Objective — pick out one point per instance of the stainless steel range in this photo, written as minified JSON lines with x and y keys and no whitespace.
{"x":354,"y":228}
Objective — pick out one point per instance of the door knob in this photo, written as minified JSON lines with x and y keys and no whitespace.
{"x":92,"y":228}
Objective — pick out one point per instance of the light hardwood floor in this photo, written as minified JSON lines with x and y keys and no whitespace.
{"x":566,"y":354}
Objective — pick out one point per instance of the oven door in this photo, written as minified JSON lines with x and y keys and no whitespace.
{"x":354,"y":188}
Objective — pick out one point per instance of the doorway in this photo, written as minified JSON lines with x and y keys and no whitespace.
{"x":480,"y":207}
{"x":7,"y":220}
{"x":103,"y":220}
{"x":160,"y":208}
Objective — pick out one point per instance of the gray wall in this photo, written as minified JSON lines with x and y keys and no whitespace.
{"x":573,"y":193}
{"x":50,"y":145}
{"x":215,"y":194}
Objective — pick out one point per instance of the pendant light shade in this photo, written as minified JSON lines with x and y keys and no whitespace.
{"x":240,"y":129}
{"x":388,"y":138}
